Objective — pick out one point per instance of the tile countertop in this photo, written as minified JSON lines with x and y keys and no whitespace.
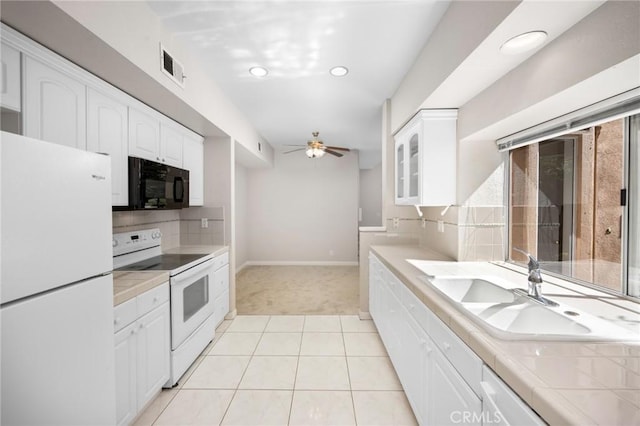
{"x":215,"y":250}
{"x":127,"y":285}
{"x":565,"y":382}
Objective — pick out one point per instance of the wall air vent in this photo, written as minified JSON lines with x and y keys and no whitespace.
{"x":171,"y":67}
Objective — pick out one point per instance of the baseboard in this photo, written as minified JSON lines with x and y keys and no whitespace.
{"x":241,"y":267}
{"x":231,"y":315}
{"x":364,"y":315}
{"x":298,"y":263}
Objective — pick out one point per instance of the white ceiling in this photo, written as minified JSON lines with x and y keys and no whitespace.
{"x":299,"y":41}
{"x":378,"y":40}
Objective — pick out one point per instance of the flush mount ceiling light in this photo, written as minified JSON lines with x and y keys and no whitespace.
{"x":523,"y":42}
{"x":258,"y":71}
{"x":339,"y":71}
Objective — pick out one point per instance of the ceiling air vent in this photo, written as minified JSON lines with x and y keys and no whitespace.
{"x":171,"y":67}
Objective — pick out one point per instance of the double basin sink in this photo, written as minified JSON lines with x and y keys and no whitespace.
{"x":510,"y":314}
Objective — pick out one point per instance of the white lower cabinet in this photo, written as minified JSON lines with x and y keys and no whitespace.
{"x":501,"y":406}
{"x":442,"y":378}
{"x":142,"y":350}
{"x":451,"y":400}
{"x":221,"y":288}
{"x":415,"y":378}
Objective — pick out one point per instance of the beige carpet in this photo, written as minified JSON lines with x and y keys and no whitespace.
{"x":297,"y":290}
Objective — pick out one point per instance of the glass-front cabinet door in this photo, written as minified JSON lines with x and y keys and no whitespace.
{"x":400,"y":193}
{"x":425,"y":161}
{"x":414,"y":173}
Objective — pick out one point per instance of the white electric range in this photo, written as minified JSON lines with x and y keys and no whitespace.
{"x":191,"y":285}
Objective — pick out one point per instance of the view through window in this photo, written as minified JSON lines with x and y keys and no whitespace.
{"x":566,"y":205}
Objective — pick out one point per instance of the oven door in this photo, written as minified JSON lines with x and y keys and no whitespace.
{"x":192,"y":301}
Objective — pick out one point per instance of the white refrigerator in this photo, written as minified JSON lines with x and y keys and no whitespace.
{"x":56,"y":288}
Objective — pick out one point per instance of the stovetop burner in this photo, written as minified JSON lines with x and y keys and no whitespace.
{"x":164,"y":262}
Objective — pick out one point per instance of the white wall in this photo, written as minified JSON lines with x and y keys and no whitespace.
{"x":463,"y":27}
{"x":219,"y":184}
{"x":302,"y":209}
{"x":603,"y":47}
{"x":241,"y":217}
{"x":371,"y":196}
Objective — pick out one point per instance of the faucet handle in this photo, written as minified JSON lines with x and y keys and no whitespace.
{"x":533,"y":262}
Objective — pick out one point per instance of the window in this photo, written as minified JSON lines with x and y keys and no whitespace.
{"x":568,"y":204}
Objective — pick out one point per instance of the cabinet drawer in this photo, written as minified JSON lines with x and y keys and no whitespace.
{"x":417,"y":309}
{"x":124,"y":314}
{"x":152,"y":299}
{"x":463,"y":359}
{"x":220,"y":260}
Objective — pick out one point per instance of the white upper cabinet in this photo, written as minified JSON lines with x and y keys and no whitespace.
{"x":155,"y":138}
{"x":171,"y":144}
{"x":54,"y":106}
{"x":144,"y":135}
{"x":107,"y":133}
{"x":193,"y":161}
{"x":425,"y":159}
{"x":10,"y":78}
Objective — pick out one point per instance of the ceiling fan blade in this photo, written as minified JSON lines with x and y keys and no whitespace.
{"x":293,"y":145}
{"x":328,"y":151}
{"x":294,"y":150}
{"x":338,"y":148}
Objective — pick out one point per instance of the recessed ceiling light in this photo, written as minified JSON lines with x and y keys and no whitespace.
{"x":258,"y":71}
{"x":339,"y":71}
{"x":523,"y":42}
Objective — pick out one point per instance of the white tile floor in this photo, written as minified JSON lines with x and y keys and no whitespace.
{"x":287,"y":370}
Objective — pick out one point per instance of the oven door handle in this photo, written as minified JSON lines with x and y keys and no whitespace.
{"x":186,"y":277}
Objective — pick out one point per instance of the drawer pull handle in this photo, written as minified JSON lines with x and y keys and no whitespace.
{"x":141,"y":326}
{"x":116,"y":320}
{"x":446,"y":346}
{"x":133,"y":331}
{"x":155,"y":299}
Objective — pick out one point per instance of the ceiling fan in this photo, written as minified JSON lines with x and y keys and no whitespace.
{"x":316,"y":148}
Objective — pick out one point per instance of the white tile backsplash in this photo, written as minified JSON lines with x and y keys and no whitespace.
{"x":471,"y":233}
{"x":178,"y":227}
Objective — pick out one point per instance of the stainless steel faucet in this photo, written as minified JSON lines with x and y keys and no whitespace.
{"x":534,"y":280}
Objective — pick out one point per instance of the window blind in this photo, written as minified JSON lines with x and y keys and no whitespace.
{"x":619,"y":106}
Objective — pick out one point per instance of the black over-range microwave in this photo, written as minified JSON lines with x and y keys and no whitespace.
{"x":156,"y":186}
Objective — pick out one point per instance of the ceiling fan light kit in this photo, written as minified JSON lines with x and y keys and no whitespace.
{"x":315,"y":148}
{"x":314,"y":152}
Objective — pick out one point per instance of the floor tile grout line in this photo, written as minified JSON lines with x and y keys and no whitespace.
{"x":346,"y":361}
{"x":295,"y":378}
{"x":235,"y":391}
